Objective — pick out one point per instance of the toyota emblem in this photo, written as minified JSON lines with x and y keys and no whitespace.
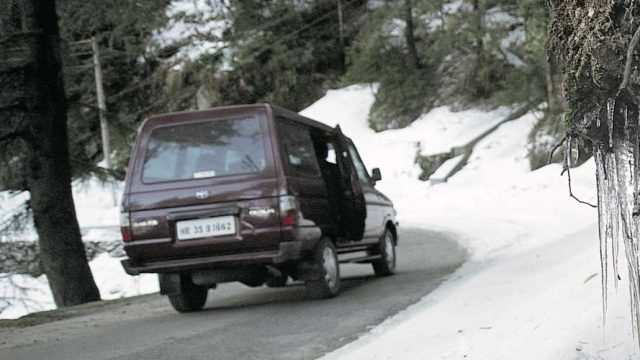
{"x":202,"y":194}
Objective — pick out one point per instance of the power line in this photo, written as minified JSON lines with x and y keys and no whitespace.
{"x":326,"y":15}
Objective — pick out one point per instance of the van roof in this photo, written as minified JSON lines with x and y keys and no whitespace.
{"x":232,"y":110}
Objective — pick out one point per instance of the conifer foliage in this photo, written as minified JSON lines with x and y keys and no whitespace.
{"x":35,"y":106}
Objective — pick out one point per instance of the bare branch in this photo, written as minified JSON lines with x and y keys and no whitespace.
{"x":555,"y":148}
{"x":566,"y":169}
{"x":89,"y":106}
{"x":13,"y":136}
{"x":575,"y":197}
{"x":627,"y":66}
{"x":114,"y":173}
{"x":17,"y":294}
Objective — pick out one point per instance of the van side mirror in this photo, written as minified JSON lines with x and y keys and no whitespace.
{"x":376,"y":175}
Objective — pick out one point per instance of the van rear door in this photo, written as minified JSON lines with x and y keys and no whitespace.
{"x":203,"y":184}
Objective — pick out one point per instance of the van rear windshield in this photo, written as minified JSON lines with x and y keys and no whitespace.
{"x":204,"y":149}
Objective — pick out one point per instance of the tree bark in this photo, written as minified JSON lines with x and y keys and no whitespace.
{"x":49,"y":171}
{"x":554,"y":95}
{"x":412,"y":55}
{"x":479,"y":85}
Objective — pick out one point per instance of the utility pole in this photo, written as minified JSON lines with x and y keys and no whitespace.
{"x":340,"y":21}
{"x":414,"y":61}
{"x":102,"y":106}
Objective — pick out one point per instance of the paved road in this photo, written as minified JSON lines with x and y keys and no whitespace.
{"x":243,"y":323}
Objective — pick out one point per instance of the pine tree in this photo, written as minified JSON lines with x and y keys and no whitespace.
{"x":37,"y":109}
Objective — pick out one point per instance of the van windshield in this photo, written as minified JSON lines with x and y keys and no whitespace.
{"x":204,"y":149}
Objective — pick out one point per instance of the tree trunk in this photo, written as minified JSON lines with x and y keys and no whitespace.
{"x":49,"y":174}
{"x":413,"y":60}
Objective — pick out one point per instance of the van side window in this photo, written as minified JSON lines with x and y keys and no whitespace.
{"x":298,"y":147}
{"x":331,"y":154}
{"x":361,"y":170}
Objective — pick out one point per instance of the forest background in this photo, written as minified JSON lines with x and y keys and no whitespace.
{"x":162,"y":56}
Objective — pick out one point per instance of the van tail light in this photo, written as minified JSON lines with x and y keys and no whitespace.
{"x":125,"y":227}
{"x":289,"y":210}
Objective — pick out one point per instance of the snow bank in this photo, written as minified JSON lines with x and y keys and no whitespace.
{"x":394,"y":151}
{"x":523,"y":294}
{"x":97,"y":209}
{"x":23,"y":294}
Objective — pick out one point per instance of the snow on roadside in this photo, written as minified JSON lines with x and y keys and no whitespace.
{"x":97,"y":209}
{"x":25,"y":294}
{"x":523,"y":294}
{"x":115,"y":283}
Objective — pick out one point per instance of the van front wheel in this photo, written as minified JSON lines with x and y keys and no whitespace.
{"x":191,"y":299}
{"x":386,"y":265}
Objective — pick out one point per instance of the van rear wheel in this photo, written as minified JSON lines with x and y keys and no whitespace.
{"x":327,"y":283}
{"x":192,"y":298}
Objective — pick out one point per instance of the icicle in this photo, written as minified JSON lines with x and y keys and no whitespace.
{"x":614,"y":213}
{"x":575,"y":151}
{"x":615,"y":171}
{"x":603,"y":225}
{"x":567,"y":152}
{"x":624,"y":153}
{"x":626,"y":121}
{"x":611,"y":104}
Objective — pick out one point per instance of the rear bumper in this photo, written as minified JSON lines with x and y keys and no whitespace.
{"x":288,"y":251}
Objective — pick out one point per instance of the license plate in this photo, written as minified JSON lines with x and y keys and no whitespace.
{"x":200,"y":228}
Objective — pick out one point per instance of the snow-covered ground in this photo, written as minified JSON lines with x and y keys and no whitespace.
{"x":97,"y":209}
{"x":528,"y":290}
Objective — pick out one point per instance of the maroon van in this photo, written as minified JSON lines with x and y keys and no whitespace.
{"x":251,"y":193}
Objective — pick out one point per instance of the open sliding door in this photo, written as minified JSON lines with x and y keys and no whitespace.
{"x":352,"y":200}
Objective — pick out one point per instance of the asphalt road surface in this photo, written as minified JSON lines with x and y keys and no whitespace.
{"x":239,"y":322}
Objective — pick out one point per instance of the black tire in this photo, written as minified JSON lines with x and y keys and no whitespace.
{"x":192,"y":298}
{"x":327,"y":284}
{"x":386,"y":265}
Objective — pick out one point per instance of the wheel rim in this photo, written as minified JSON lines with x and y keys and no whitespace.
{"x":389,"y":251}
{"x":330,"y":267}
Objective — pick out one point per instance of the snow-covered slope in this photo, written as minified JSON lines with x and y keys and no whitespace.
{"x":528,"y":290}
